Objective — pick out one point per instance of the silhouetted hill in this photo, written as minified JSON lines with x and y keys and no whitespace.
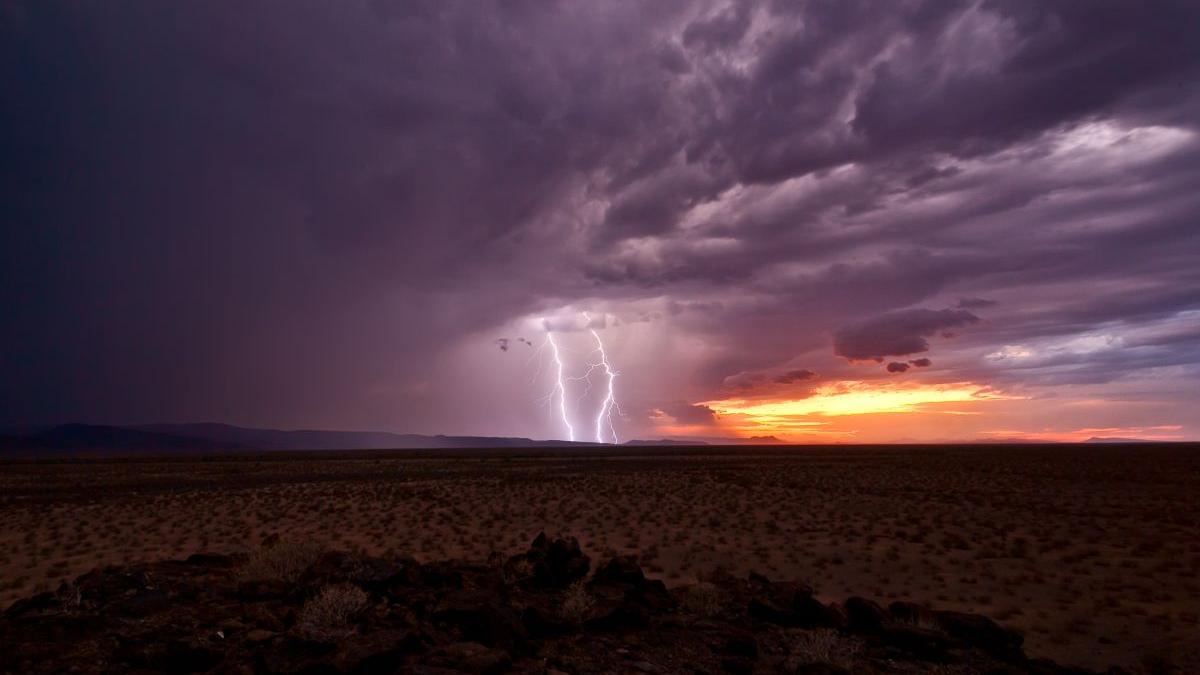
{"x":98,"y":437}
{"x":191,"y":438}
{"x":315,"y":439}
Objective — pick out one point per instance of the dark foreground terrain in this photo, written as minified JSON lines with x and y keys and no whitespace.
{"x":1091,"y":552}
{"x":292,"y":608}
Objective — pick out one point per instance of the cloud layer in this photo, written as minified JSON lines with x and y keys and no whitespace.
{"x":327,"y":214}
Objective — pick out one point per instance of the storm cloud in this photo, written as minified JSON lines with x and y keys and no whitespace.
{"x":897,"y":334}
{"x":324,"y":214}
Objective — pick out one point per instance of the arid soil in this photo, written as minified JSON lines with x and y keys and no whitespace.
{"x":1093,"y":552}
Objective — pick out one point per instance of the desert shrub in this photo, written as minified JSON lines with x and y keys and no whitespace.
{"x":703,"y":598}
{"x":520,"y":570}
{"x":330,"y":611}
{"x":824,"y":646}
{"x":576,"y":602}
{"x":285,"y":561}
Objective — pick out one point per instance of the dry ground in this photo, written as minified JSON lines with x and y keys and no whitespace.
{"x":1094,"y":552}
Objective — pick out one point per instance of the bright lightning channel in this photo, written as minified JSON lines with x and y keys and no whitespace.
{"x":560,"y":388}
{"x":610,"y":400}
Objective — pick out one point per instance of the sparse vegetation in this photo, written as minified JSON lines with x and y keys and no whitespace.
{"x":576,"y":602}
{"x":329,"y":613}
{"x":703,"y":598}
{"x":1039,"y":552}
{"x":283,"y":561}
{"x":823,"y":646}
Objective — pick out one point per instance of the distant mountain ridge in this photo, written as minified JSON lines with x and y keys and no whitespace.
{"x":210,"y":437}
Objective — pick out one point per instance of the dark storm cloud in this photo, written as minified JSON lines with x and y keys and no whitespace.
{"x":897,"y":367}
{"x":686,"y":413}
{"x":254,"y":213}
{"x":896,"y":333}
{"x":793,"y":376}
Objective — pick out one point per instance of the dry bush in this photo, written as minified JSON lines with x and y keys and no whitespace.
{"x":576,"y":602}
{"x":703,"y":598}
{"x":330,"y":611}
{"x":285,"y":561}
{"x":823,"y":646}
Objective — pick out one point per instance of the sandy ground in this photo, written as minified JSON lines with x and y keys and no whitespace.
{"x":1093,"y":552}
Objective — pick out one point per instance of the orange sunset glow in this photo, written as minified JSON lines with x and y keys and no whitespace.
{"x":863,"y":405}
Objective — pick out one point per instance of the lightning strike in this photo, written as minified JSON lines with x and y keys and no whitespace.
{"x":560,"y":387}
{"x":607,"y":406}
{"x":610,"y":400}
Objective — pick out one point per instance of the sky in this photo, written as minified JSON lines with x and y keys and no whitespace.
{"x":823,"y":221}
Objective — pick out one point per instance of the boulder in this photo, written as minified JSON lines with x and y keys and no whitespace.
{"x":980,"y":631}
{"x":212,"y":560}
{"x":480,"y":618}
{"x":470,"y":657}
{"x":620,"y":581}
{"x":911,"y":612}
{"x":791,"y":604}
{"x":913,"y":641}
{"x":549,"y":563}
{"x":865,"y":616}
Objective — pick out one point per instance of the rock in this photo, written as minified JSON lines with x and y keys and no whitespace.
{"x":258,"y":635}
{"x":378,"y":652}
{"x":820,"y":669}
{"x":740,"y":643}
{"x":542,"y":622}
{"x":455,"y":617}
{"x":479,"y":618}
{"x":811,"y":613}
{"x":563,"y":564}
{"x":38,"y":603}
{"x":213,"y":560}
{"x":183,"y":656}
{"x":620,"y":570}
{"x":624,"y":597}
{"x":265,"y":616}
{"x":441,"y":575}
{"x":791,"y":604}
{"x":621,"y":615}
{"x":922,"y":643}
{"x":548,"y":563}
{"x":262,"y":589}
{"x":911,"y":612}
{"x":145,"y":604}
{"x":470,"y":657}
{"x":982,"y":632}
{"x":865,"y":616}
{"x":765,"y":608}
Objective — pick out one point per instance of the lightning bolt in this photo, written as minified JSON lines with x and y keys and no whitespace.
{"x":560,"y":387}
{"x":607,"y":406}
{"x":610,"y":399}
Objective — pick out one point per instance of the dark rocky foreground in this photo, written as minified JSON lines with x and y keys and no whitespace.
{"x":293,"y":610}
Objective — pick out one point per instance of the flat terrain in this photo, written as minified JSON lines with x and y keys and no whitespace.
{"x":1092,"y":551}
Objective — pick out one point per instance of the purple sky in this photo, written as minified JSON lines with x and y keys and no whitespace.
{"x":325,"y":214}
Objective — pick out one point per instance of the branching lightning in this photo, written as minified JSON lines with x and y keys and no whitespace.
{"x":610,"y":399}
{"x":607,"y":406}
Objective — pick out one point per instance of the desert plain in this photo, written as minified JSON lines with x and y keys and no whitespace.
{"x":1092,"y":551}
